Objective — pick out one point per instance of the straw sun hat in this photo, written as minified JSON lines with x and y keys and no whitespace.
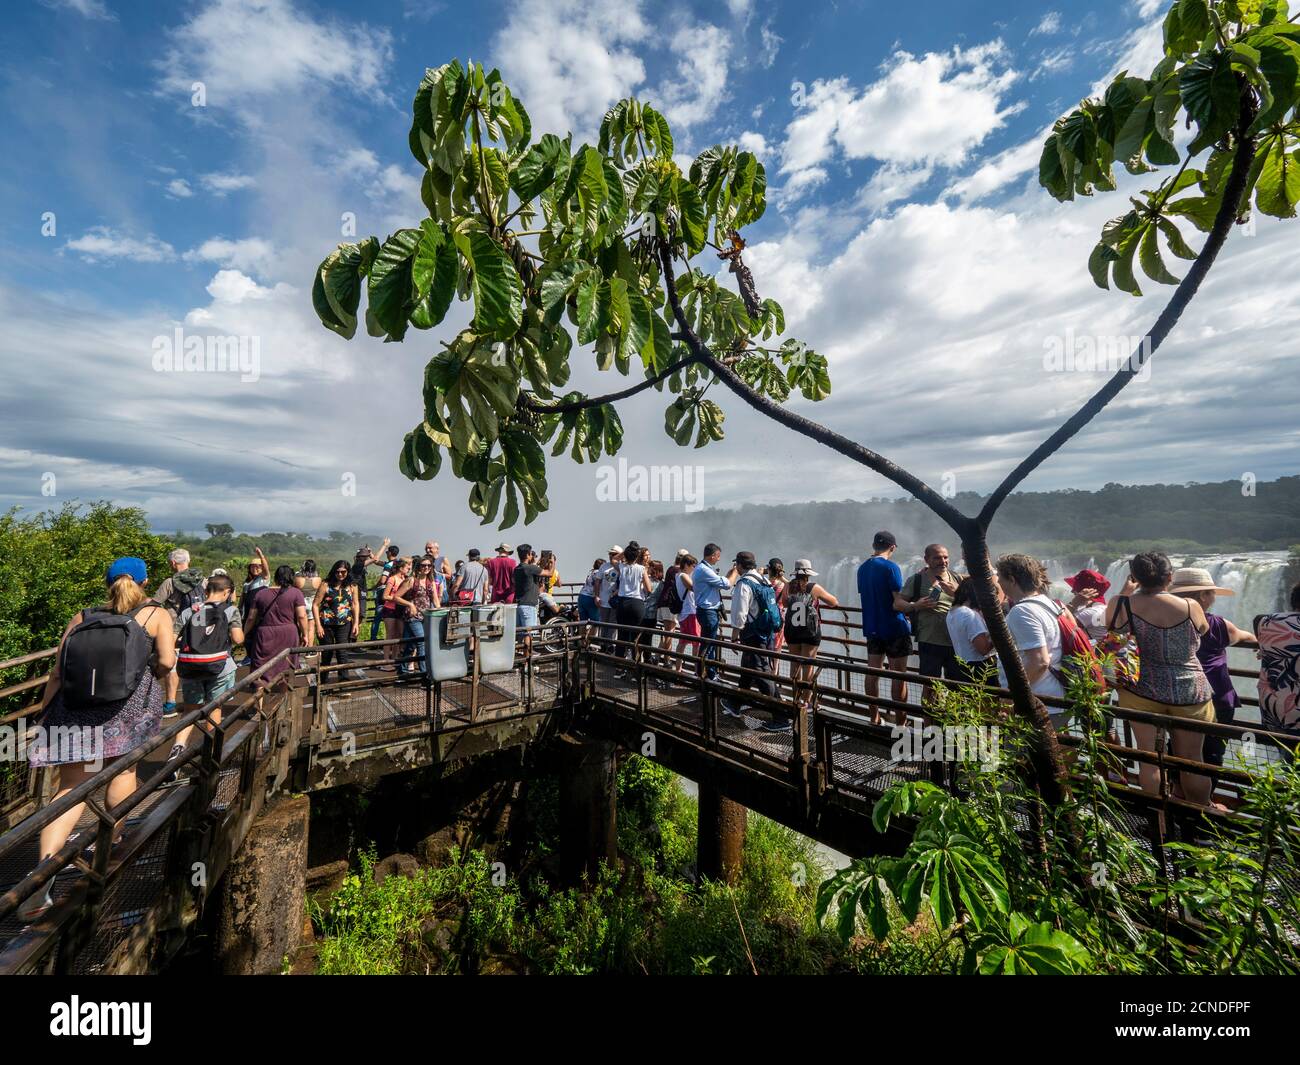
{"x":1190,"y":579}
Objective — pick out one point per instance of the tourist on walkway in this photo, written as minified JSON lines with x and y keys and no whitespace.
{"x":751,"y":597}
{"x":256,"y":577}
{"x":608,"y":589}
{"x":589,"y":595}
{"x":441,"y":564}
{"x":688,"y":624}
{"x":802,"y":629}
{"x":501,"y":574}
{"x":526,"y":591}
{"x":669,"y":603}
{"x":1196,"y":584}
{"x":365,"y":557}
{"x":1167,"y":630}
{"x":469,"y":586}
{"x":277,"y":622}
{"x":889,"y":639}
{"x":970,"y":635}
{"x":337,"y":614}
{"x":1088,"y":603}
{"x":308,"y":582}
{"x":182,"y":588}
{"x":1033,"y":621}
{"x":1279,"y":671}
{"x":383,"y":615}
{"x":550,"y":578}
{"x":629,"y":608}
{"x":650,"y":618}
{"x":419,"y":593}
{"x":927,"y":597}
{"x":708,"y":587}
{"x":90,"y":729}
{"x":204,"y":662}
{"x":391,"y":612}
{"x":775,"y":572}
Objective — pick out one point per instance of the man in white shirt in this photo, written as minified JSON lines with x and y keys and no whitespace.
{"x":1033,"y":622}
{"x":608,"y":585}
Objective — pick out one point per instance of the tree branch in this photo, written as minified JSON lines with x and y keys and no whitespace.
{"x":1178,"y":302}
{"x":959,"y":522}
{"x":612,"y":397}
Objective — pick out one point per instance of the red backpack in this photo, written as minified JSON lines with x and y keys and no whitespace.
{"x":1078,"y":656}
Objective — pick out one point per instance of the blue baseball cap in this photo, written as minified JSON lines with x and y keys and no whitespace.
{"x":130,"y":566}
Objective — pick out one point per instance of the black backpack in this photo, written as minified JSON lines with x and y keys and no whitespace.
{"x":204,"y":644}
{"x":668,"y":596}
{"x":103,"y":658}
{"x":802,"y":621}
{"x":185,"y":596}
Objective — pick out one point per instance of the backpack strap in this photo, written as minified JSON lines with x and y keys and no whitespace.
{"x":1121,"y":603}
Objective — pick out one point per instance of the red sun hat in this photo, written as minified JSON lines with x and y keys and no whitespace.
{"x":1089,"y":578}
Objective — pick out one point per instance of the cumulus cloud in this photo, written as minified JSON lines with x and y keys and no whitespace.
{"x":924,"y":111}
{"x":251,"y":253}
{"x":220,"y":184}
{"x":242,"y":50}
{"x":179,"y":188}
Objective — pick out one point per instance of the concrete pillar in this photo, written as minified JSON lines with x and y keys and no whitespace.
{"x":720,"y":847}
{"x":264,"y":891}
{"x":588,"y":808}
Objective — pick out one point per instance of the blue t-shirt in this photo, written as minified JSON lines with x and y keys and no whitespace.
{"x":878,"y":580}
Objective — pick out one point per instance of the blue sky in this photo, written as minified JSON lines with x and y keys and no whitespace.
{"x":905,"y":236}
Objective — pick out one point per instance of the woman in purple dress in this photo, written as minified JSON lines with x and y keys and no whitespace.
{"x":277,"y":622}
{"x":1195,"y":584}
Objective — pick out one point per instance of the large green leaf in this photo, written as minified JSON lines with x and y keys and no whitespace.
{"x":498,"y":292}
{"x":391,"y":290}
{"x":434,"y":273}
{"x":1278,"y":188}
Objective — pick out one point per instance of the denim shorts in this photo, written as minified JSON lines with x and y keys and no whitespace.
{"x":200,"y":690}
{"x":525,"y":617}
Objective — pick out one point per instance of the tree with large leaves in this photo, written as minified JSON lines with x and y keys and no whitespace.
{"x":608,"y":245}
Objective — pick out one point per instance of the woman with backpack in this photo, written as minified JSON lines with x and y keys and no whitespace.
{"x":337,"y":614}
{"x":1171,"y":682}
{"x":802,"y":628}
{"x":392,"y":611}
{"x":107,"y":683}
{"x":277,"y":622}
{"x":776,"y":574}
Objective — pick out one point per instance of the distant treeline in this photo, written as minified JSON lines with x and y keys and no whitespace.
{"x":225,"y":547}
{"x":1115,"y":521}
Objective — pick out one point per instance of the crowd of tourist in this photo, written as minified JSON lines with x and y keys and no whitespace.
{"x":121,"y":666}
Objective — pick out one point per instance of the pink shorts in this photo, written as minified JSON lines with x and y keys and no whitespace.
{"x":689,"y":626}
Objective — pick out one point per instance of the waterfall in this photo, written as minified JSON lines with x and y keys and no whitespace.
{"x":1257,"y":579}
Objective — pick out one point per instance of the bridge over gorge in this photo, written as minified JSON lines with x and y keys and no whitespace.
{"x":127,"y":903}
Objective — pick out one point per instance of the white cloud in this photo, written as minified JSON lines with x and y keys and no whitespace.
{"x":1048,"y":24}
{"x":922,"y":112}
{"x":243,"y":49}
{"x":223,"y":183}
{"x":892,"y":183}
{"x":693,"y":92}
{"x":101,"y":242}
{"x":754,"y":142}
{"x":231,"y":286}
{"x":581,"y":56}
{"x":179,"y":188}
{"x":252,"y":253}
{"x":771,"y":45}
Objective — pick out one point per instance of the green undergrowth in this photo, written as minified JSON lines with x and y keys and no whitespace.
{"x":647,"y":915}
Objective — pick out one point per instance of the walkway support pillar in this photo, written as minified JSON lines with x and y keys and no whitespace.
{"x":264,"y":891}
{"x":588,"y":807}
{"x":720,"y":847}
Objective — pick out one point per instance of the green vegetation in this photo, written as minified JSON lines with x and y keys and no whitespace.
{"x":233,"y":551}
{"x":52,"y":564}
{"x":647,"y":916}
{"x":1082,"y":895}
